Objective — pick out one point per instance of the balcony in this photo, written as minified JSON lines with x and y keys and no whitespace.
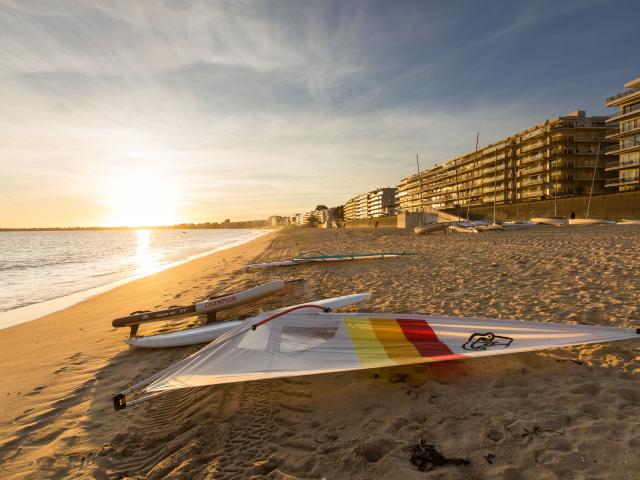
{"x":629,"y":93}
{"x":537,"y":181}
{"x":621,"y":164}
{"x":529,"y":171}
{"x":625,"y":145}
{"x":619,"y":115}
{"x":533,"y":146}
{"x":532,"y":193}
{"x":623,"y":132}
{"x":562,"y":125}
{"x":615,"y":182}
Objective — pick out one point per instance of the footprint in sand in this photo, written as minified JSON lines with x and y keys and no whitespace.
{"x":36,"y":390}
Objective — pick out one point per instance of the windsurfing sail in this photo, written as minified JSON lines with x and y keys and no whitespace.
{"x":290,"y":344}
{"x":306,"y":258}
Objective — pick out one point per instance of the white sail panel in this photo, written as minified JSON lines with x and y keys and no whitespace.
{"x":305,"y":344}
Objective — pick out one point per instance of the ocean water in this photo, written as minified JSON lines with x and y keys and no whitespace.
{"x":41,"y":272}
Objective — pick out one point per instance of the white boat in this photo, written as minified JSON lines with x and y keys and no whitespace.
{"x":491,"y":226}
{"x":208,"y":333}
{"x":463,"y":229}
{"x":517,"y":225}
{"x":553,"y":221}
{"x":588,"y":221}
{"x":436,"y":227}
{"x":431,"y":228}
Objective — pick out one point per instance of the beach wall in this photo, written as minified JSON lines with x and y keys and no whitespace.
{"x":379,"y":222}
{"x":612,"y":206}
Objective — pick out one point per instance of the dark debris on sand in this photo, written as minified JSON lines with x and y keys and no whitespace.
{"x":425,"y":457}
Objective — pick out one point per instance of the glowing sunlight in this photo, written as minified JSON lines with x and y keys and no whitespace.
{"x":141,"y":198}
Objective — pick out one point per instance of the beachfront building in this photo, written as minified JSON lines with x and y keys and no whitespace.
{"x":376,"y":203}
{"x":350,"y":209}
{"x":275,"y":221}
{"x":554,"y":158}
{"x":623,"y":157}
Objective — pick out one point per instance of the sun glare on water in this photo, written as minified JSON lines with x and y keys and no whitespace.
{"x":142,"y":199}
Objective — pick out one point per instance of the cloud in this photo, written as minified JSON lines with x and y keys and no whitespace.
{"x":255,"y":108}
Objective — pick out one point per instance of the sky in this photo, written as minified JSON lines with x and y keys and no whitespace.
{"x":157,"y":112}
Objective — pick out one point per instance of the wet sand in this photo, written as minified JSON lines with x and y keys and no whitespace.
{"x":566,"y":413}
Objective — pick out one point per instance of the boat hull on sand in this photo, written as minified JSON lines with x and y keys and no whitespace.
{"x":628,"y":222}
{"x":431,"y":228}
{"x":463,"y":229}
{"x":517,"y":225}
{"x":553,"y":221}
{"x":588,"y":221}
{"x":211,"y":305}
{"x":327,"y":259}
{"x":491,"y":226}
{"x":208,"y":333}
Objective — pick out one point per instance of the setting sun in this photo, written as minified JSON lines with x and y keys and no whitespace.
{"x":142,"y":198}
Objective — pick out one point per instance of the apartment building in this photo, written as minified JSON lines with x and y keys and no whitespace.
{"x":623,"y":157}
{"x":558,"y":157}
{"x":376,"y":203}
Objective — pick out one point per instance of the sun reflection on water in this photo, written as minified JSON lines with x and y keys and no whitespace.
{"x":146,"y":259}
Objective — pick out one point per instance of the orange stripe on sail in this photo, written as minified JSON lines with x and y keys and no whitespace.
{"x":394,"y":341}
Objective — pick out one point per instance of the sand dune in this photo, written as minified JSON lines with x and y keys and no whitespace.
{"x":569,"y":413}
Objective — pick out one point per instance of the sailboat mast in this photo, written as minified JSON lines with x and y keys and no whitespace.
{"x":420,"y":179}
{"x":555,"y":188}
{"x":593,"y":180}
{"x":455,"y":163}
{"x":495,"y":183}
{"x":473,"y":172}
{"x":515,"y":182}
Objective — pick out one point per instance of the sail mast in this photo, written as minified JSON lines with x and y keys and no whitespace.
{"x":593,"y":180}
{"x":420,"y":179}
{"x":473,"y":171}
{"x":495,"y":183}
{"x":555,"y":189}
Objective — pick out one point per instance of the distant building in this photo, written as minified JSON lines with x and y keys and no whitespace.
{"x":556,"y":157}
{"x":624,"y":156}
{"x":376,"y":203}
{"x":275,"y":221}
{"x":322,"y":215}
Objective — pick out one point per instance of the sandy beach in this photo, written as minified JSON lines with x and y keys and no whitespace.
{"x":565,"y":413}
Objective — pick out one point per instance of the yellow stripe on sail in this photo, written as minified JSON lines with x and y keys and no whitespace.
{"x":365,"y":342}
{"x":395,"y":343}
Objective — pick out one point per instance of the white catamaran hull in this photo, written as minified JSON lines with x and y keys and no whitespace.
{"x":587,"y":221}
{"x":517,"y":225}
{"x":553,"y":221}
{"x":462,"y":229}
{"x":208,"y":333}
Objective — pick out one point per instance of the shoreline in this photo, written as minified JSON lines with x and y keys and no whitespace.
{"x":34,"y":311}
{"x":84,"y":329}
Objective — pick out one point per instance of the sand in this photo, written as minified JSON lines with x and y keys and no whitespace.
{"x":566,"y":413}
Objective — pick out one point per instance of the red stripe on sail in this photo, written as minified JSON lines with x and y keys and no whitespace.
{"x":425,"y":340}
